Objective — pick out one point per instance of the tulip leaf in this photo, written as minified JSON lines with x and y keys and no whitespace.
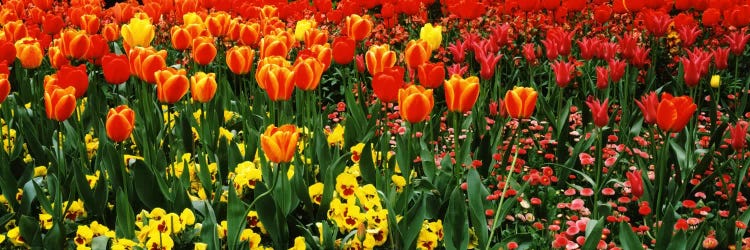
{"x":411,"y":224}
{"x":679,"y":241}
{"x":236,"y":214}
{"x":147,"y":186}
{"x":209,"y":235}
{"x":125,"y":219}
{"x":29,"y":229}
{"x":594,"y":230}
{"x":456,"y":222}
{"x":100,"y":243}
{"x":366,"y":165}
{"x":477,"y":193}
{"x":664,"y":236}
{"x":628,"y":238}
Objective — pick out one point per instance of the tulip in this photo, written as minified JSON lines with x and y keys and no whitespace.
{"x":738,"y":135}
{"x":640,"y":57}
{"x":272,"y":45}
{"x":138,"y":32}
{"x":715,"y":81}
{"x":278,"y":81}
{"x":588,"y":47}
{"x":529,"y":53}
{"x":415,"y":103}
{"x":343,"y":50}
{"x":461,"y":94}
{"x":648,"y":105}
{"x":520,"y":102}
{"x":323,"y":53}
{"x":53,"y":24}
{"x":120,"y":123}
{"x":721,"y":56}
{"x":144,"y":62}
{"x":487,"y":62}
{"x":358,"y":27}
{"x":75,"y":77}
{"x":417,"y":52}
{"x":279,"y":144}
{"x":56,"y":57}
{"x":181,"y":38}
{"x":111,"y":32}
{"x":657,"y":23}
{"x":432,"y":34}
{"x":240,"y":59}
{"x":112,"y":67}
{"x":4,"y":87}
{"x":249,"y":34}
{"x":315,"y":37}
{"x":59,"y":103}
{"x":737,"y":42}
{"x":616,"y":69}
{"x":386,"y":84}
{"x":15,"y":30}
{"x":302,"y":27}
{"x":673,"y":113}
{"x":204,"y":50}
{"x":688,"y":34}
{"x":90,"y":23}
{"x":431,"y":75}
{"x":171,"y":85}
{"x":192,"y":18}
{"x":378,"y":58}
{"x":458,"y":51}
{"x":203,"y":86}
{"x":563,"y":72}
{"x":7,"y":52}
{"x":602,"y":77}
{"x":636,"y":183}
{"x":691,"y":71}
{"x":217,"y":23}
{"x":29,"y":53}
{"x":598,"y":111}
{"x":307,"y":73}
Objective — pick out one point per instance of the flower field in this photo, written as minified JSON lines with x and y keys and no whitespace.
{"x":383,"y":124}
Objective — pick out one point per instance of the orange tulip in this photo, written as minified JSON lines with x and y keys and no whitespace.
{"x":461,"y":94}
{"x":415,"y":103}
{"x":203,"y":86}
{"x":279,"y":144}
{"x":249,"y":34}
{"x":56,"y":57}
{"x":120,"y":123}
{"x":379,"y":57}
{"x":268,"y":12}
{"x":52,"y":24}
{"x":218,"y":23}
{"x":323,"y":53}
{"x":673,"y":113}
{"x":270,"y":25}
{"x":111,"y":32}
{"x":520,"y":102}
{"x":77,"y":77}
{"x":240,"y":59}
{"x":278,"y":81}
{"x":90,"y":23}
{"x":4,"y":87}
{"x":260,"y":72}
{"x":204,"y":50}
{"x":358,"y":27}
{"x":272,"y":45}
{"x":144,"y":62}
{"x":180,"y":37}
{"x":417,"y":52}
{"x":75,"y":43}
{"x":29,"y":53}
{"x":307,"y":73}
{"x":15,"y":30}
{"x":171,"y":85}
{"x":59,"y":103}
{"x":315,"y":37}
{"x":192,"y":18}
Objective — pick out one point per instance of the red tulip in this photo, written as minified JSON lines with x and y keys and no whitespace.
{"x":75,"y":77}
{"x":4,"y":87}
{"x":636,"y":183}
{"x":737,"y":41}
{"x":563,"y":72}
{"x":588,"y":47}
{"x":431,"y":75}
{"x":386,"y":84}
{"x":602,"y":77}
{"x":640,"y":57}
{"x":120,"y":123}
{"x":657,"y":23}
{"x":674,"y":113}
{"x":343,"y":50}
{"x":529,"y":53}
{"x":112,"y":66}
{"x":616,"y":69}
{"x":688,"y":34}
{"x":487,"y":62}
{"x":721,"y":56}
{"x":738,"y":135}
{"x":598,"y":111}
{"x":648,"y":105}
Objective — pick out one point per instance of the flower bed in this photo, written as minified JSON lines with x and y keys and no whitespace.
{"x":374,"y":124}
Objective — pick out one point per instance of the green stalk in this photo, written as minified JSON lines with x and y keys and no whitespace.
{"x":502,"y":198}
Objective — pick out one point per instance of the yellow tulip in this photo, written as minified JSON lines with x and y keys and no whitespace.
{"x":715,"y":81}
{"x":302,"y":26}
{"x":432,"y":34}
{"x":138,"y":32}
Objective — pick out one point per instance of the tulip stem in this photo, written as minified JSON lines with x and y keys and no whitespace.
{"x":456,"y":130}
{"x":598,"y":188}
{"x":502,"y":196}
{"x":275,"y":175}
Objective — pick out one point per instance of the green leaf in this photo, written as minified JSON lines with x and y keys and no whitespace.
{"x":679,"y":241}
{"x":100,"y":243}
{"x":236,"y":214}
{"x":412,"y":223}
{"x":635,"y":130}
{"x":271,"y":216}
{"x":209,"y":235}
{"x":456,"y":222}
{"x":366,"y":165}
{"x":593,"y":234}
{"x":477,"y":193}
{"x":628,"y":238}
{"x":29,"y":228}
{"x":147,"y":188}
{"x":664,"y":236}
{"x":54,"y":238}
{"x":125,"y":221}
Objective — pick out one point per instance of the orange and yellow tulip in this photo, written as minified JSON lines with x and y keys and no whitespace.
{"x":278,"y":81}
{"x":180,"y":37}
{"x":120,"y":123}
{"x":240,"y":59}
{"x":144,"y":62}
{"x":138,"y":32}
{"x":307,"y":73}
{"x":171,"y":85}
{"x":56,"y":57}
{"x":15,"y":30}
{"x":358,"y":27}
{"x":673,"y":113}
{"x":249,"y":34}
{"x":378,"y":58}
{"x":217,"y":23}
{"x":279,"y":144}
{"x":111,"y":32}
{"x":417,"y":52}
{"x":315,"y":37}
{"x":520,"y":102}
{"x":90,"y":23}
{"x":75,"y":43}
{"x":4,"y":87}
{"x":415,"y":103}
{"x":203,"y":86}
{"x":323,"y":53}
{"x":29,"y":53}
{"x":59,"y":103}
{"x":272,"y":45}
{"x":204,"y":50}
{"x":461,"y":94}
